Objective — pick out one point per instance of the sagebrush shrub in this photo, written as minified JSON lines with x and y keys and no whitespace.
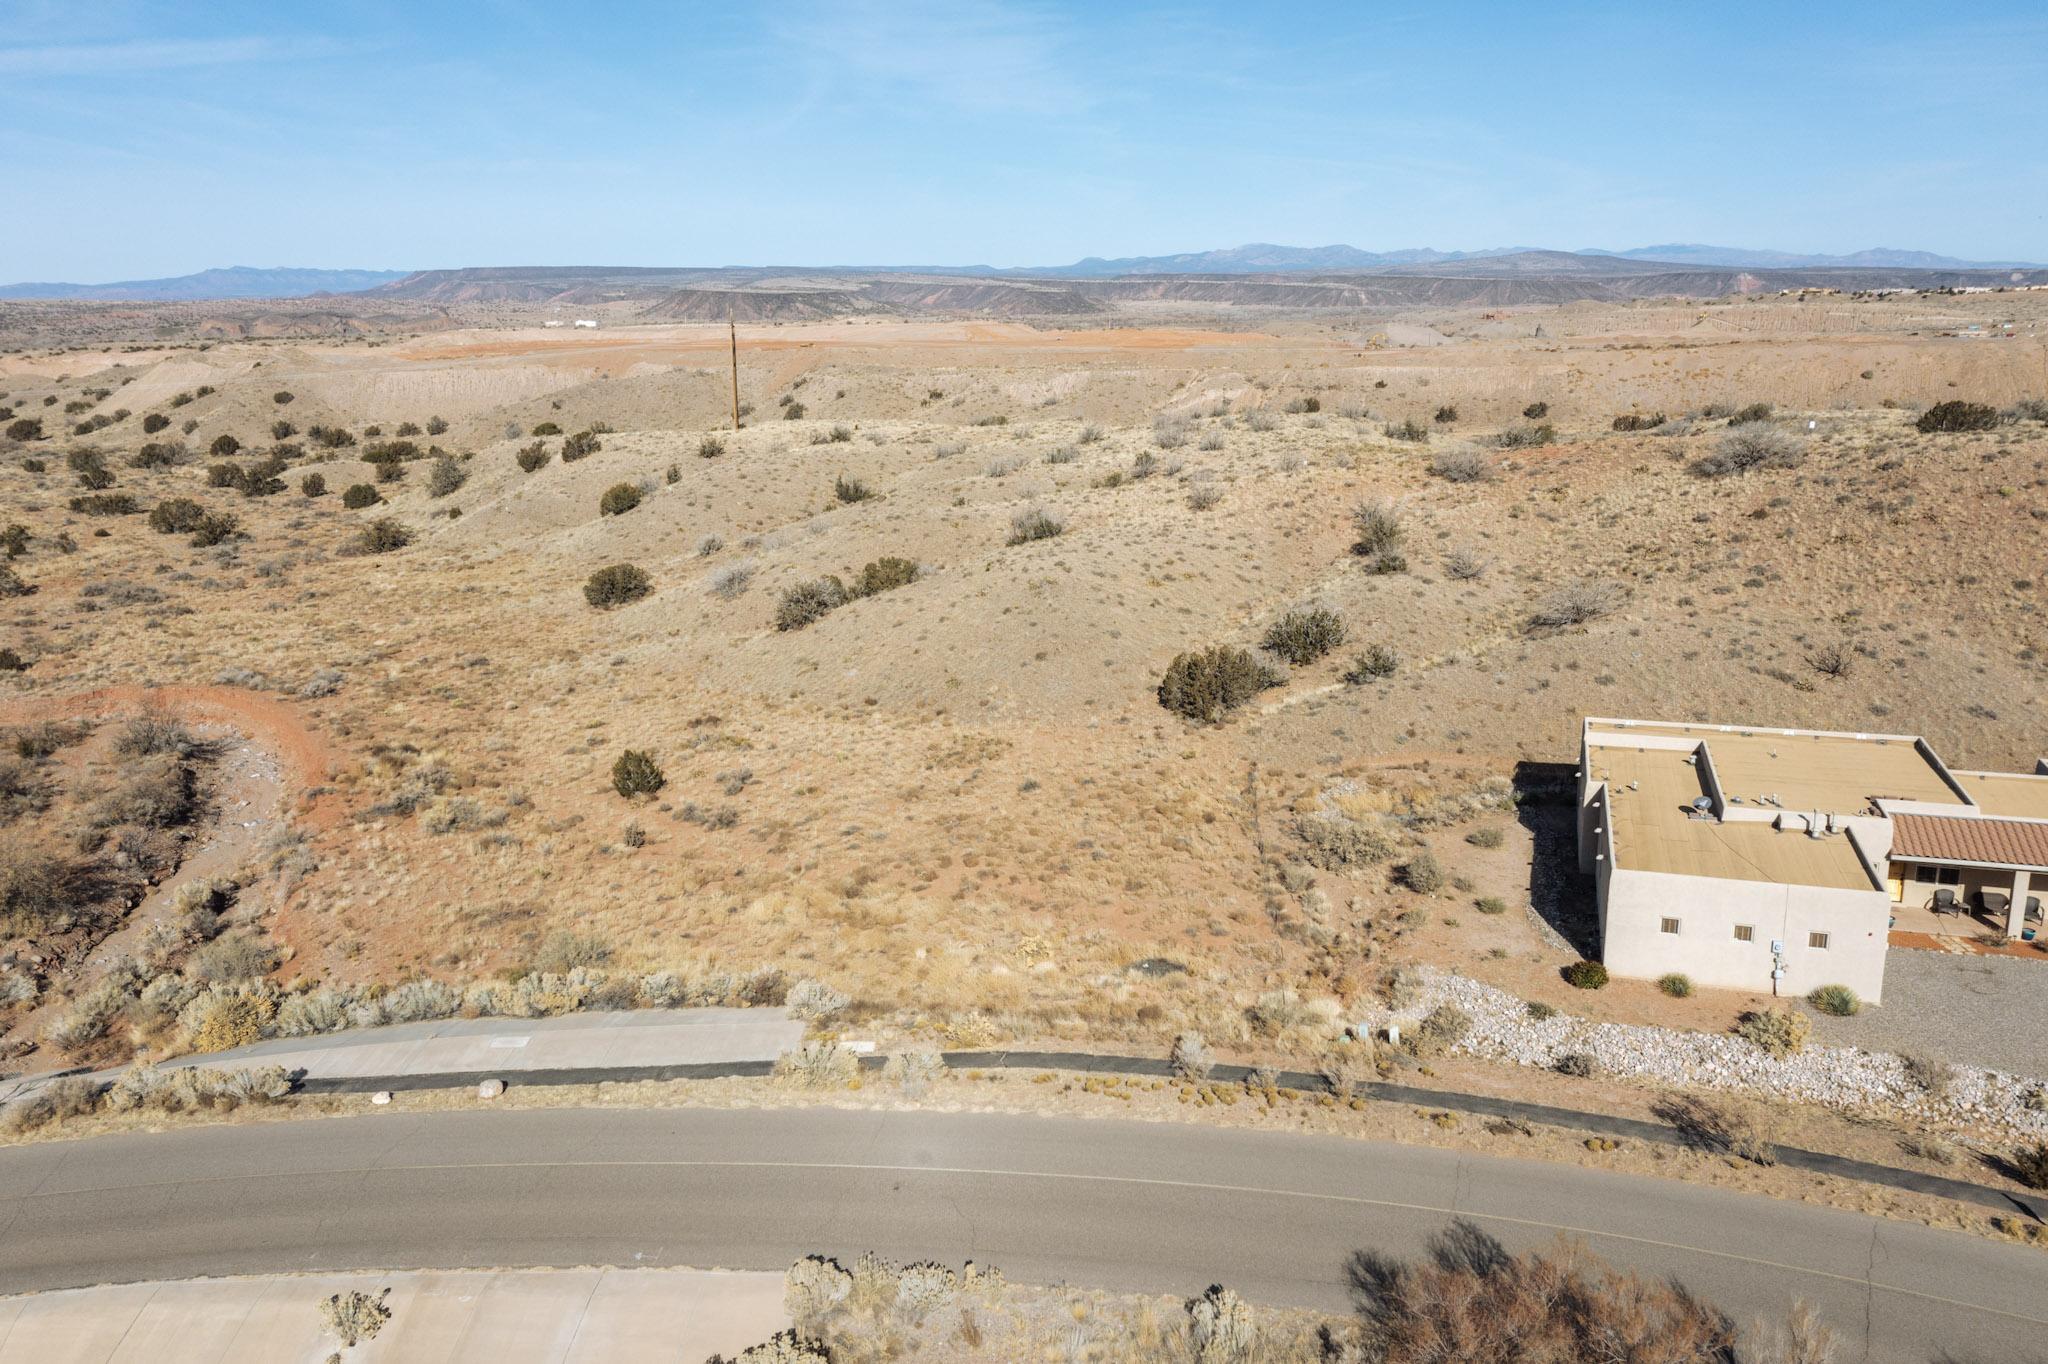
{"x":176,"y":516}
{"x":1304,"y":636}
{"x":618,"y":499}
{"x":1956,"y":415}
{"x":1203,"y":685}
{"x":1586,"y":975}
{"x":636,"y":774}
{"x":360,"y":495}
{"x":1377,"y":662}
{"x":884,"y":575}
{"x":532,"y":457}
{"x":1778,"y":1032}
{"x":447,"y":475}
{"x":1749,"y":449}
{"x":809,"y":602}
{"x":616,"y":585}
{"x":1035,"y":524}
{"x":382,"y":536}
{"x":579,"y":445}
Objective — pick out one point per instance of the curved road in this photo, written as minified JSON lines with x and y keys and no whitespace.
{"x":1122,"y":1205}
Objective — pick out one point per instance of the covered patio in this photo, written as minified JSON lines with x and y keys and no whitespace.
{"x":1964,"y":877}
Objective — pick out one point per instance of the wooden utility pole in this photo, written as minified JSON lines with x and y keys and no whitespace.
{"x":734,"y":331}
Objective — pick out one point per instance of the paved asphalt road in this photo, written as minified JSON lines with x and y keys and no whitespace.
{"x":1133,"y":1206}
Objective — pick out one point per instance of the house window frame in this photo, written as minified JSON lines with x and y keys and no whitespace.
{"x":1817,"y":940}
{"x":1745,"y":932}
{"x":1670,"y":925}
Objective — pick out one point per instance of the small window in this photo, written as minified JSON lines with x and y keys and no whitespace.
{"x":1951,"y":876}
{"x":1670,"y":925}
{"x":1819,"y":940}
{"x":1745,"y":932}
{"x":1924,"y":874}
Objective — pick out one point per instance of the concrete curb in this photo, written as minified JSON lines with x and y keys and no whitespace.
{"x":1601,"y":1124}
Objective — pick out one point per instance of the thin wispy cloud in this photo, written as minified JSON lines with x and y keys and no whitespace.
{"x":982,"y":56}
{"x":99,"y":59}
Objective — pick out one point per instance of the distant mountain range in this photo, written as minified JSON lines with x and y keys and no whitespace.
{"x":1257,"y":258}
{"x":1266,"y":258}
{"x":237,"y":281}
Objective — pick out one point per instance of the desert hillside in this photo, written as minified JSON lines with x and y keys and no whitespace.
{"x":957,"y":795}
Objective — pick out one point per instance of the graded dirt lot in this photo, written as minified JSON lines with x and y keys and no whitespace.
{"x":960,"y":800}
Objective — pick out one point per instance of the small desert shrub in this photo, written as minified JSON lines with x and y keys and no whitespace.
{"x":214,"y":528}
{"x":37,"y":888}
{"x":636,"y":774}
{"x":579,"y":445}
{"x":1170,"y":433}
{"x":160,"y":454}
{"x":1487,"y":836}
{"x":1462,"y":466}
{"x":731,"y":581}
{"x":1203,"y":496}
{"x":1422,"y":873}
{"x":1956,"y":415}
{"x":381,"y":536}
{"x":106,"y":504}
{"x":1585,"y":975}
{"x":883,"y":575}
{"x":1446,"y":414}
{"x":227,"y":960}
{"x":851,"y":490}
{"x":564,"y":951}
{"x":1190,"y":1057}
{"x":1709,"y":1127}
{"x":616,"y":585}
{"x":1411,"y":431}
{"x":1490,"y":904}
{"x":817,"y":1065}
{"x":446,"y":476}
{"x":360,"y":495}
{"x":1304,"y":636}
{"x":618,"y":499}
{"x":1222,"y":1328}
{"x":1377,"y":662}
{"x":1575,"y":1063}
{"x":711,"y":447}
{"x":815,"y":1000}
{"x":1336,"y":841}
{"x":1837,"y":1000}
{"x":226,"y":1016}
{"x":1677,"y":984}
{"x":1441,"y":1029}
{"x":809,"y":602}
{"x":545,"y":429}
{"x":154,"y":422}
{"x":314,"y":485}
{"x":1778,"y":1032}
{"x":1206,"y":684}
{"x":1740,"y":452}
{"x":1931,"y":1075}
{"x":1639,"y":421}
{"x":1378,"y":528}
{"x":1527,"y":437}
{"x":532,"y":457}
{"x":1576,"y":603}
{"x":2030,"y":1165}
{"x":354,"y":1316}
{"x":176,"y":516}
{"x":1536,"y":411}
{"x":1035,"y":524}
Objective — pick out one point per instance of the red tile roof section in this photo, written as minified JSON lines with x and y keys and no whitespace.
{"x":1945,"y":838}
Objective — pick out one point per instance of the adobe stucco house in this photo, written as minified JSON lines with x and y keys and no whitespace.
{"x":1752,"y":858}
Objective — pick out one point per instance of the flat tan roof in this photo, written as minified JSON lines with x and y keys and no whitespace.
{"x":1836,"y":774}
{"x":1650,"y":792}
{"x":2015,"y":795}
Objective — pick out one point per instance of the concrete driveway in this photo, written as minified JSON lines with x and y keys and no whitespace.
{"x":523,"y":1316}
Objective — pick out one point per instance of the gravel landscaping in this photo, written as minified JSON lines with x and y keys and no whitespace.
{"x":1502,"y":1029}
{"x":1971,"y":1010}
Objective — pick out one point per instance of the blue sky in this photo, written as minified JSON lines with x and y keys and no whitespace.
{"x":143,"y":139}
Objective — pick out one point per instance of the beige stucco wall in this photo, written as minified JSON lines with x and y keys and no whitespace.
{"x":1632,"y":904}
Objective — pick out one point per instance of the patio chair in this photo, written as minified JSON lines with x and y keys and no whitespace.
{"x":1991,"y":902}
{"x":1944,"y":902}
